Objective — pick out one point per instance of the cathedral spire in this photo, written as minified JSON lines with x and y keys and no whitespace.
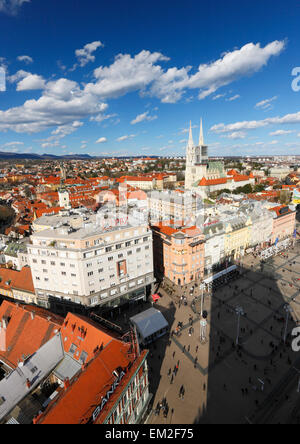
{"x":191,"y":142}
{"x":201,"y":138}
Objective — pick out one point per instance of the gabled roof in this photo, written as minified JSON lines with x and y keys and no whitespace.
{"x":28,"y":328}
{"x":77,"y":404}
{"x":20,"y":280}
{"x":29,"y":374}
{"x":85,"y":334}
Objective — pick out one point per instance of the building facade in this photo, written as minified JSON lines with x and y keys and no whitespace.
{"x":91,"y":266}
{"x":179,"y":253}
{"x":284,"y":223}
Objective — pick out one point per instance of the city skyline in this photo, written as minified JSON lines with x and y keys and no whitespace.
{"x":128,"y":84}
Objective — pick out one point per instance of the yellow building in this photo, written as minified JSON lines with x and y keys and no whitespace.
{"x":237,"y":237}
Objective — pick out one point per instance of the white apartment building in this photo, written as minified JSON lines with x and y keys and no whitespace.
{"x":214,"y":246}
{"x":91,"y":266}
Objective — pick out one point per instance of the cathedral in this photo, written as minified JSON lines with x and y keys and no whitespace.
{"x":198,"y":165}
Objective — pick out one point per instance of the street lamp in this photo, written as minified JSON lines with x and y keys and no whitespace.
{"x":288,"y":310}
{"x":240,"y":312}
{"x":203,"y":327}
{"x":202,"y":302}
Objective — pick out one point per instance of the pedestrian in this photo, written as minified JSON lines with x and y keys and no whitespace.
{"x":174,"y":355}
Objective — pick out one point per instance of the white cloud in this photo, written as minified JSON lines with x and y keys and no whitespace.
{"x":31,"y":82}
{"x":142,"y":117}
{"x":102,"y":140}
{"x":121,"y":139}
{"x":85,"y":55}
{"x":255,"y":124}
{"x":218,"y":96}
{"x":280,"y":133}
{"x":18,"y":76}
{"x":236,"y":135}
{"x":26,"y":59}
{"x":101,"y":117}
{"x":233,"y":98}
{"x":210,"y":77}
{"x":266,"y":104}
{"x":126,"y":74}
{"x":62,"y":102}
{"x":11,"y":7}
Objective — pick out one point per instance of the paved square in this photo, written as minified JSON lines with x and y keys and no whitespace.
{"x":226,"y":383}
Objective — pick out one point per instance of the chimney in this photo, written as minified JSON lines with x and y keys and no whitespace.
{"x":32,"y":315}
{"x":28,"y":384}
{"x":4,"y":323}
{"x":66,"y":383}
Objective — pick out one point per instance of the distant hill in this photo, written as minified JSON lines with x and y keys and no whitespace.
{"x":33,"y":156}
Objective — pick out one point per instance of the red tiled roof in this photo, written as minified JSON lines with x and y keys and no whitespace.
{"x":277,"y":210}
{"x":20,"y":280}
{"x":77,"y":404}
{"x":24,"y":335}
{"x":85,"y":334}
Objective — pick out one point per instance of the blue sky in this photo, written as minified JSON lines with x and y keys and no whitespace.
{"x":125,"y":78}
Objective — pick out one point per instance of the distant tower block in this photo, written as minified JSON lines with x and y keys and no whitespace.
{"x":63,"y":174}
{"x":64,"y":199}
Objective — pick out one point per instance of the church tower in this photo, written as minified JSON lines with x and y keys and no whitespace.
{"x":196,"y":159}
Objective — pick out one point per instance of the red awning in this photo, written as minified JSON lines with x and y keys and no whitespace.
{"x":155,"y":297}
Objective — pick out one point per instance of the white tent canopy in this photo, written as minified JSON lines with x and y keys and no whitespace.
{"x":150,"y":323}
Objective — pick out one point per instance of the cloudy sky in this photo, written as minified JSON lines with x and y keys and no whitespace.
{"x":123,"y":78}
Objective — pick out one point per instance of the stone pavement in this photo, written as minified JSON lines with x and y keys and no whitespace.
{"x":230,"y":384}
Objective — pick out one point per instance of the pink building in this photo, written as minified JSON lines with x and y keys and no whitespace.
{"x":284,"y":222}
{"x":179,"y":253}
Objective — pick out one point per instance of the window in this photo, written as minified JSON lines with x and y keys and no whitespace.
{"x":73,"y":349}
{"x":110,"y":259}
{"x":52,"y":263}
{"x":118,"y":247}
{"x":91,"y":273}
{"x":83,"y":357}
{"x":63,"y":273}
{"x":108,"y":249}
{"x":62,"y":264}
